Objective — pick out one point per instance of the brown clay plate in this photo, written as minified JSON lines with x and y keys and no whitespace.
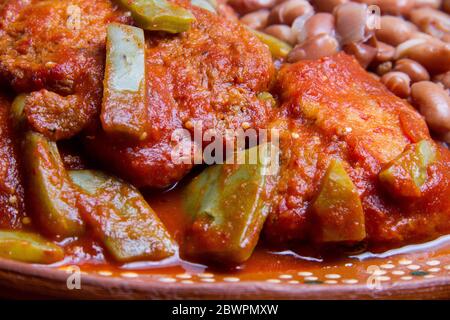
{"x":412,"y":272}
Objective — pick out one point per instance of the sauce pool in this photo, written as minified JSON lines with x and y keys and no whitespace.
{"x":89,"y":254}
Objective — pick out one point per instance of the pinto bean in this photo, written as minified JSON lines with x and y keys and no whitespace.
{"x":384,"y":68}
{"x":394,"y":7}
{"x":413,"y":69}
{"x":431,"y":21}
{"x":428,"y":3}
{"x":298,"y":25}
{"x":374,"y":75}
{"x":433,"y":54}
{"x":362,"y":52}
{"x":446,"y":6}
{"x":397,"y":82}
{"x":246,"y":6}
{"x":327,"y":5}
{"x":446,"y":138}
{"x":385,"y":52}
{"x":433,"y":103}
{"x":351,"y":22}
{"x":315,"y":25}
{"x":444,"y":79}
{"x":287,"y":12}
{"x":394,"y":30}
{"x":256,"y":20}
{"x":282,"y":32}
{"x":314,"y":48}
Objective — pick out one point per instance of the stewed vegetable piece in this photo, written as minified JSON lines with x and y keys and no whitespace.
{"x":228,"y":204}
{"x":159,"y":15}
{"x":338,"y":208}
{"x":205,"y":4}
{"x":278,"y":48}
{"x":406,"y":175}
{"x":16,"y":113}
{"x":121,"y":218}
{"x":28,"y":247}
{"x":50,"y":192}
{"x":124,"y":110}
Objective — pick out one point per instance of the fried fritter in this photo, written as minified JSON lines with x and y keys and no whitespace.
{"x":55,"y":50}
{"x":333,"y":109}
{"x":212,"y":75}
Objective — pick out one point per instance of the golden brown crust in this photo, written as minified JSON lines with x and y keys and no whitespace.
{"x":337,"y":110}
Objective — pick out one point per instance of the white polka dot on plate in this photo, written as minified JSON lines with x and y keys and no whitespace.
{"x":333,"y":276}
{"x":387,"y":266}
{"x":379,"y":272}
{"x":231,"y":279}
{"x":413,"y":267}
{"x":187,"y":281}
{"x":273,"y":280}
{"x":434,"y":270}
{"x":311,"y":278}
{"x":433,"y":263}
{"x":350,"y":281}
{"x":405,"y":262}
{"x":406,"y":278}
{"x":384,"y":278}
{"x":285,"y":276}
{"x":398,"y":272}
{"x":167,"y":280}
{"x":330,"y":281}
{"x":129,"y":274}
{"x":305,"y":274}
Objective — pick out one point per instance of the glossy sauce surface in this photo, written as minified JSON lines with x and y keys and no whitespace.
{"x":264,"y":263}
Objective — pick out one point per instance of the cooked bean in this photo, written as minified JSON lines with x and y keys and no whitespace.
{"x":362,"y":52}
{"x":446,"y":138}
{"x":351,"y":22}
{"x":256,"y":20}
{"x":384,"y":68}
{"x":375,"y":76}
{"x":397,"y":83}
{"x":394,"y":7}
{"x":433,"y":54}
{"x":319,"y":46}
{"x":428,"y":3}
{"x":315,"y":25}
{"x":443,"y":78}
{"x":421,"y":35}
{"x":327,"y":5}
{"x":287,"y":12}
{"x":446,"y":38}
{"x":246,"y":6}
{"x":413,"y":69}
{"x":446,"y":6}
{"x":282,"y":32}
{"x":394,"y":30}
{"x":298,"y":25}
{"x":385,"y":52}
{"x":433,"y":103}
{"x":431,"y":21}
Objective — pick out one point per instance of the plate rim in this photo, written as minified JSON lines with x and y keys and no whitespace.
{"x":51,"y":282}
